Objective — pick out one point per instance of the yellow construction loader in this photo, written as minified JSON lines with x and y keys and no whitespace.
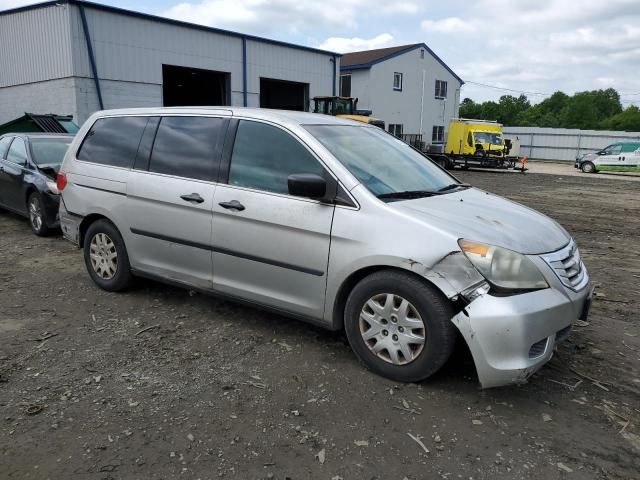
{"x":345,"y":107}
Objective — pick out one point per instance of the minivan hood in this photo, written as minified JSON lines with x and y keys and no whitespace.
{"x":483,"y":217}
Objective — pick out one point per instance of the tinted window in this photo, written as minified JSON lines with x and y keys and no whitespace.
{"x":188,"y":146}
{"x":113,"y":141}
{"x":626,"y":147}
{"x":17,"y":152}
{"x":4,"y":146}
{"x":49,"y":151}
{"x":264,"y":157}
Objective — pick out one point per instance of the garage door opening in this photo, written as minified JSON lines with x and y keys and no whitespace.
{"x":284,"y":95}
{"x":183,"y":86}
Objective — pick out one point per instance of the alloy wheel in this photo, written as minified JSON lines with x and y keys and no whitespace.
{"x":35,"y":214}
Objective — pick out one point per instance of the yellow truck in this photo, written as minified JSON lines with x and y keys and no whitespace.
{"x":476,"y":141}
{"x":345,"y":107}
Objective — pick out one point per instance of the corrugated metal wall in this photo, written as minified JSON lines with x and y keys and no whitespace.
{"x":564,"y":144}
{"x":283,"y":63}
{"x":49,"y":42}
{"x":35,"y":46}
{"x":133,"y":49}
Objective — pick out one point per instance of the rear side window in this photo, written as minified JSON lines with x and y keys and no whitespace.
{"x":18,"y":152}
{"x":626,"y":147}
{"x":113,"y":141}
{"x":188,"y":147}
{"x":4,"y":146}
{"x":264,"y":157}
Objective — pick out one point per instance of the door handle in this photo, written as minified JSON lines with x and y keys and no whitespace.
{"x":232,"y":205}
{"x":192,"y":198}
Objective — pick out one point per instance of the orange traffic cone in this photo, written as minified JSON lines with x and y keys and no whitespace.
{"x":523,"y":162}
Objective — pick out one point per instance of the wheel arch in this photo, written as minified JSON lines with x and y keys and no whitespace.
{"x":352,"y":280}
{"x":88,"y":221}
{"x":28,"y":190}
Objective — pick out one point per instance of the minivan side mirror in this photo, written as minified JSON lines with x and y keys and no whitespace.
{"x":308,"y":185}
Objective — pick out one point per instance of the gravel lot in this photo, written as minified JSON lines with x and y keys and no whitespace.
{"x":211,"y":389}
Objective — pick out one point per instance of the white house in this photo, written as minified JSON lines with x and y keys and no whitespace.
{"x":409,"y":87}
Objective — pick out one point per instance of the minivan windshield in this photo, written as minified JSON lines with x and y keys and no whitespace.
{"x":49,"y":151}
{"x":382,"y":163}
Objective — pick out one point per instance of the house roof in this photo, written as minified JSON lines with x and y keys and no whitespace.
{"x":155,"y":18}
{"x":367,"y":58}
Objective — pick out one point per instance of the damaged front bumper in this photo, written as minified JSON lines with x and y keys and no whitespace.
{"x":511,"y":337}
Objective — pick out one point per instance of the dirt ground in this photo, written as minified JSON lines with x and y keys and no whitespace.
{"x":212,"y":389}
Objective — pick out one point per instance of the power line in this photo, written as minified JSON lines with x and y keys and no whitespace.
{"x":508,"y":89}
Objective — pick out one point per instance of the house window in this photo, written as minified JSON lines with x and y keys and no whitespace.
{"x":395,"y":129}
{"x":441,"y":89}
{"x":345,"y":85}
{"x":437,"y":135}
{"x":422,"y":54}
{"x":397,"y":81}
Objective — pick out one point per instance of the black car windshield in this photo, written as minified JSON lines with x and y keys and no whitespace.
{"x":49,"y":151}
{"x":381,"y":162}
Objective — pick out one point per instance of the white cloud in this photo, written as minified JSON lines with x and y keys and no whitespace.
{"x":540,"y":45}
{"x":267,"y":16}
{"x":343,"y":45}
{"x":7,"y":4}
{"x":401,"y":8}
{"x":452,"y":25}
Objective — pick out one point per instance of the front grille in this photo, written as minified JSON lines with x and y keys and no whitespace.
{"x":538,"y":348}
{"x":568,"y":266}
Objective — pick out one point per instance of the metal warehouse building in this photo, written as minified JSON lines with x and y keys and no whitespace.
{"x":75,"y":57}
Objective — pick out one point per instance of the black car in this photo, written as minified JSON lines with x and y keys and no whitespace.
{"x":29,"y":163}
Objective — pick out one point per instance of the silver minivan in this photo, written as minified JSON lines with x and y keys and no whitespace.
{"x":334,"y":222}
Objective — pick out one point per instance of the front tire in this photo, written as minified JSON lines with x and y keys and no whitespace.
{"x":105,"y":256}
{"x":588,"y":167}
{"x":37,"y":220}
{"x":399,"y":326}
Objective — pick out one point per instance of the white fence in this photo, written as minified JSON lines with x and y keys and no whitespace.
{"x":563,"y":143}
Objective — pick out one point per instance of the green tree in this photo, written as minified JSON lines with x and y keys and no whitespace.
{"x":595,"y":109}
{"x":511,"y":107}
{"x":627,"y":120}
{"x":470,"y":109}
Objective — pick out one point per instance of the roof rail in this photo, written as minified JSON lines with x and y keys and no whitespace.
{"x":473,"y":120}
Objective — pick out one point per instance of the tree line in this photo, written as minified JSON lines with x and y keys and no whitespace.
{"x":593,"y":110}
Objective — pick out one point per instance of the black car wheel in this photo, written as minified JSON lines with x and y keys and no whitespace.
{"x":37,"y":220}
{"x":105,"y":256}
{"x":399,"y":326}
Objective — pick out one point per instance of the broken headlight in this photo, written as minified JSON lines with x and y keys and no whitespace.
{"x":504,"y":269}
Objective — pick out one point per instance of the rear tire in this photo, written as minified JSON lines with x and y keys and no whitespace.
{"x":382,"y":320}
{"x":105,"y":256}
{"x":588,"y":167}
{"x":37,"y":220}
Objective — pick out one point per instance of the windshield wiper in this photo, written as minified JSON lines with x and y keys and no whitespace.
{"x":408,"y":194}
{"x":454,"y":185}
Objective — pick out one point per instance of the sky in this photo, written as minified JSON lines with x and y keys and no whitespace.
{"x":498,"y":47}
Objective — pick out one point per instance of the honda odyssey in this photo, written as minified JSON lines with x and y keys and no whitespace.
{"x":331,"y":221}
